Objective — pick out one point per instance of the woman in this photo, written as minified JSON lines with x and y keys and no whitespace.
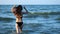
{"x":19,"y":14}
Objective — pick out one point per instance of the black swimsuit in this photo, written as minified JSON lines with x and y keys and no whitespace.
{"x":19,"y":23}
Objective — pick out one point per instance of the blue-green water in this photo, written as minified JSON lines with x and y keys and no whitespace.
{"x":42,"y":19}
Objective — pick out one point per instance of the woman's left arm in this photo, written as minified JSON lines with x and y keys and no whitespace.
{"x":26,"y":11}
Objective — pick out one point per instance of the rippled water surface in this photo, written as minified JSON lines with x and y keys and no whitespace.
{"x":45,"y":20}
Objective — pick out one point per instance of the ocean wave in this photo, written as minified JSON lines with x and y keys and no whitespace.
{"x":41,"y":14}
{"x":44,"y":13}
{"x":57,"y":18}
{"x":44,"y":9}
{"x":6,"y":19}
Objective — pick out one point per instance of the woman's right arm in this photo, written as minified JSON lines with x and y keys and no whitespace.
{"x":13,"y":9}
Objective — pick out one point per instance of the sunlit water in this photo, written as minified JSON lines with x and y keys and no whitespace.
{"x":33,"y":24}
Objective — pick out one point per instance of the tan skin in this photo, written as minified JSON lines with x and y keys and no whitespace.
{"x":18,"y":19}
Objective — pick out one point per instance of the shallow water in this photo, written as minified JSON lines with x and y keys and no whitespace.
{"x":33,"y":23}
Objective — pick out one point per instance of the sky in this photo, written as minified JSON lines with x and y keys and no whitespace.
{"x":29,"y":2}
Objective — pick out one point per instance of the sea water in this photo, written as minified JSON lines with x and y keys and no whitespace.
{"x":42,"y":19}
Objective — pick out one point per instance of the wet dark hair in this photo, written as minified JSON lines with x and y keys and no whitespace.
{"x":19,"y":9}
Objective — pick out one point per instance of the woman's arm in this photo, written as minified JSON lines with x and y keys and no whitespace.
{"x":26,"y":11}
{"x":13,"y":8}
